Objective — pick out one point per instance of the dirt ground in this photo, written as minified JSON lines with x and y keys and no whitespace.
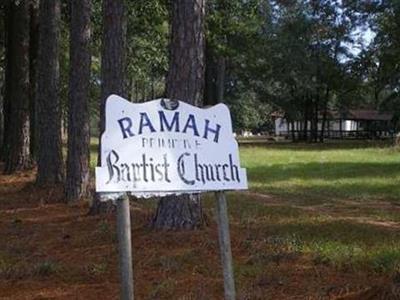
{"x":52,"y":250}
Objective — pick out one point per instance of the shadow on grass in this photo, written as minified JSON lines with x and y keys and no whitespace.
{"x":310,"y":182}
{"x":316,"y":231}
{"x":342,"y":243}
{"x":322,"y":170}
{"x":323,"y":194}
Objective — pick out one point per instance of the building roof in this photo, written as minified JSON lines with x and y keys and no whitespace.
{"x":368,"y":114}
{"x":351,"y":114}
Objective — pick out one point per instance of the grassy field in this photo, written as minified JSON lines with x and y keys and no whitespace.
{"x":338,"y":202}
{"x":312,"y":173}
{"x":319,"y":222}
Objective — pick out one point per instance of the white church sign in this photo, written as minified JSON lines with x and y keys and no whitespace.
{"x":149,"y":150}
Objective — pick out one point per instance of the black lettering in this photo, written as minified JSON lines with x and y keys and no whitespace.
{"x":207,"y":129}
{"x":136,"y":172}
{"x":234,"y":169}
{"x":217,"y":171}
{"x":151,"y":169}
{"x":159,"y":172}
{"x":125,"y":173}
{"x":126,"y":129}
{"x":223,"y":169}
{"x":181,"y":169}
{"x":209,"y":172}
{"x":166,"y":165}
{"x":145,"y":122}
{"x":112,"y":159}
{"x":144,"y":164}
{"x":199,"y":170}
{"x":169,"y":126}
{"x":191,"y":123}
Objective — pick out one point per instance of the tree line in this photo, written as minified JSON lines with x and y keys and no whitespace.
{"x":59,"y":60}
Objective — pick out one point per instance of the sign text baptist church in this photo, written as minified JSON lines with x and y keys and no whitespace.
{"x":150,"y":150}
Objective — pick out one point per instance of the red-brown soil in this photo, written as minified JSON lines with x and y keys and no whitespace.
{"x":52,"y":250}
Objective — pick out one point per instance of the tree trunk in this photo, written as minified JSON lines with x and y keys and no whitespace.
{"x":1,"y":110}
{"x":77,"y":180}
{"x":144,"y":91}
{"x":324,"y":116}
{"x":33,"y":55}
{"x":316,"y":111}
{"x":50,"y":162}
{"x":305,"y":128}
{"x":221,"y":67}
{"x":137,"y":91}
{"x":293,"y":131}
{"x":8,"y":28}
{"x":112,"y":72}
{"x":185,"y":81}
{"x":210,"y":86}
{"x":2,"y":75}
{"x":18,"y":157}
{"x":340,"y":128}
{"x":131,"y":91}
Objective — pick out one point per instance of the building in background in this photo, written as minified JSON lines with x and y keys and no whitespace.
{"x":354,"y":123}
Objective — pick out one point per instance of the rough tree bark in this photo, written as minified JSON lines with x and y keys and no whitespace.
{"x":185,"y":81}
{"x":112,"y":71}
{"x":210,"y":79}
{"x":2,"y":76}
{"x":18,"y":157}
{"x":77,"y":180}
{"x":50,"y":163}
{"x":1,"y":110}
{"x":33,"y":55}
{"x":221,"y":68}
{"x":8,"y":23}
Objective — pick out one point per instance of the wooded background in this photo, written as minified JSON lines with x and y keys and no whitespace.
{"x":60,"y":59}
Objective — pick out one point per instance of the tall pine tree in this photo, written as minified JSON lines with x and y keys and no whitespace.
{"x":18,"y":154}
{"x":77,"y":180}
{"x":50,"y":163}
{"x":185,"y":81}
{"x":112,"y":69}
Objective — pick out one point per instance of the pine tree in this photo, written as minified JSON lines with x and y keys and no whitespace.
{"x":50,"y":162}
{"x":185,"y":81}
{"x":18,"y":154}
{"x":112,"y":70}
{"x":77,"y":180}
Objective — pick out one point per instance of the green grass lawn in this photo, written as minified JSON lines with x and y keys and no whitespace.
{"x":337,"y":203}
{"x":313,"y":173}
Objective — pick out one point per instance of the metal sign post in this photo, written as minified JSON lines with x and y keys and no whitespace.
{"x":225,"y":246}
{"x":125,"y":247}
